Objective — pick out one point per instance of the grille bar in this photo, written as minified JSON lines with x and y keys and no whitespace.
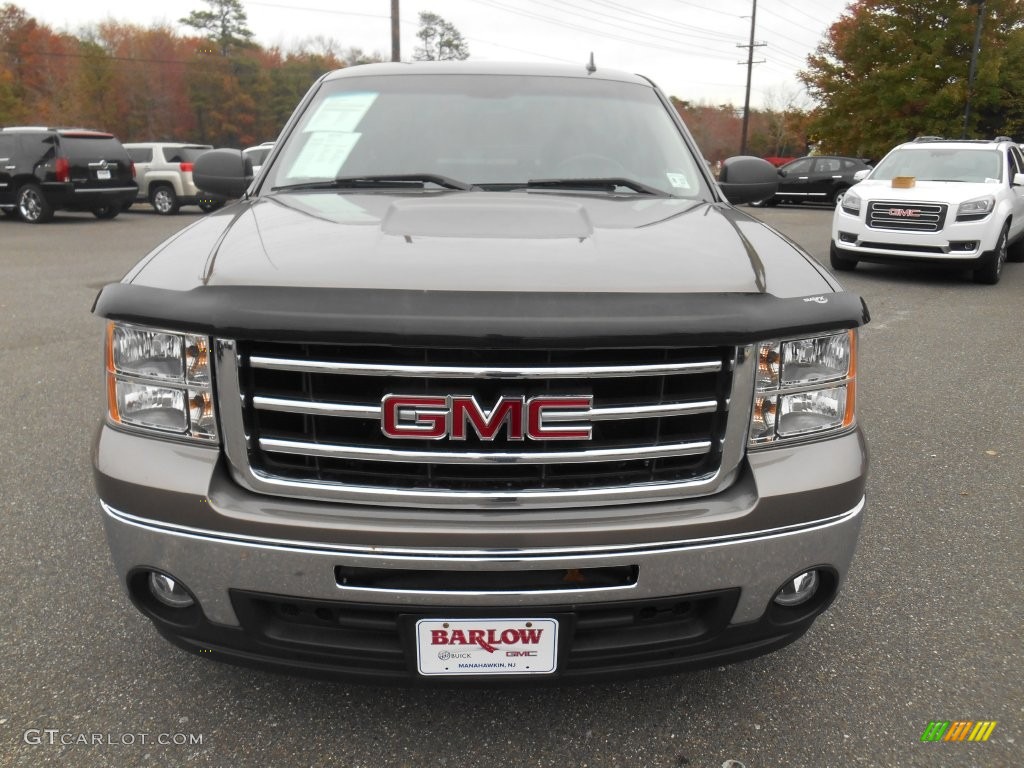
{"x":372,"y":412}
{"x":301,"y":448}
{"x":305,"y":419}
{"x":906,"y":217}
{"x":462,"y":372}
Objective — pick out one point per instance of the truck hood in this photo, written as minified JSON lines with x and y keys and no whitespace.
{"x":483,"y":241}
{"x":475,"y":269}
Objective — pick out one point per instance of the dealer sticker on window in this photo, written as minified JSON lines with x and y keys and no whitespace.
{"x":486,"y":646}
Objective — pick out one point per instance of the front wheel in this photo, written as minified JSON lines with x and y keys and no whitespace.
{"x":33,"y":207}
{"x":837,"y":195}
{"x":839,"y":262}
{"x":1015,"y":251}
{"x":990,"y":272}
{"x":164,"y":201}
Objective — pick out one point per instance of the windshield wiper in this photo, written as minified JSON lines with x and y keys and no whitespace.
{"x":609,"y":184}
{"x":387,"y":181}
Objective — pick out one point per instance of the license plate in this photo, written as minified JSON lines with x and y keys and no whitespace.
{"x":103,"y":175}
{"x":486,"y":646}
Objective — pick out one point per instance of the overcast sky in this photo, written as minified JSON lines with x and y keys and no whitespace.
{"x":688,"y":47}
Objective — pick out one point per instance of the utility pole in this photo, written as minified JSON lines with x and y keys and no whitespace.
{"x":974,"y":61}
{"x":750,"y":71}
{"x":396,"y":35}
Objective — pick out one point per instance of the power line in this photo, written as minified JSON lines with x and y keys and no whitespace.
{"x":316,"y":10}
{"x":714,"y":53}
{"x":805,"y":10}
{"x":619,"y":22}
{"x":662,"y":21}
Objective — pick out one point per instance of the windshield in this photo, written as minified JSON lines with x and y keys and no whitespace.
{"x":941,"y":164}
{"x":489,"y":130}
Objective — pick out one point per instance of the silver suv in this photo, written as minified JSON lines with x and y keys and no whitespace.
{"x":164,"y":174}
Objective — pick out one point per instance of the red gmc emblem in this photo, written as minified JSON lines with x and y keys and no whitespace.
{"x":545,"y":417}
{"x":906,"y":213}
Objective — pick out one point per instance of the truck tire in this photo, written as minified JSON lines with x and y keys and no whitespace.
{"x":106,"y":211}
{"x":163,"y":200}
{"x":1015,"y":251}
{"x":992,"y":267}
{"x":840,"y":263}
{"x":33,"y":207}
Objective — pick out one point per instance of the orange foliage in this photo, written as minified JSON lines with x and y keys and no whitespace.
{"x":147,"y":83}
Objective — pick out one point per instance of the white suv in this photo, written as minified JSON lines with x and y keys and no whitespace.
{"x":936,"y":201}
{"x":163,"y":171}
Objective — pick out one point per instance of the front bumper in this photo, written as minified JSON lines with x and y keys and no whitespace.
{"x":958,"y":244}
{"x":283,"y":606}
{"x":266,"y":572}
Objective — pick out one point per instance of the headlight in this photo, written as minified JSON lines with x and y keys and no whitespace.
{"x":851,"y":203}
{"x":978,"y":208}
{"x":160,"y":381}
{"x":804,"y":387}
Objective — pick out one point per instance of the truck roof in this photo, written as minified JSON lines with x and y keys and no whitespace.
{"x":487,"y":68}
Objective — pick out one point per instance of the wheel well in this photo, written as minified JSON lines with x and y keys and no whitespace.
{"x":20,"y":181}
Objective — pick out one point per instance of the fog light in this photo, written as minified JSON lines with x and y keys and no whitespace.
{"x":798,"y":590}
{"x":168,"y":591}
{"x":962,"y":246}
{"x":847,"y":237}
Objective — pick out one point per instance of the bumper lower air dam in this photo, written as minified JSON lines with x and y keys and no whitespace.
{"x":284,"y":605}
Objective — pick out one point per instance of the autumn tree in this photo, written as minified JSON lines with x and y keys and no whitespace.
{"x":290,"y":80}
{"x":781,"y":121}
{"x":225,"y":25}
{"x":149,"y":91}
{"x":13,"y":24}
{"x":153,"y":83}
{"x":889,"y":70}
{"x":440,"y":40}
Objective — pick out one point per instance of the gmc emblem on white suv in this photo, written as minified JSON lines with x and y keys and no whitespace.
{"x":907,"y":213}
{"x":544,"y":417}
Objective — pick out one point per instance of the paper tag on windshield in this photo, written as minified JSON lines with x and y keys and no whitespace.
{"x":678,"y":180}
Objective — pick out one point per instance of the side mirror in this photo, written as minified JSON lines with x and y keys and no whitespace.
{"x":783,"y":173}
{"x":861,"y":175}
{"x":222,"y":172}
{"x":745,"y":179}
{"x":1018,"y":179}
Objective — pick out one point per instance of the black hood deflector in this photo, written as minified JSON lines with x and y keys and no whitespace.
{"x":480,"y":319}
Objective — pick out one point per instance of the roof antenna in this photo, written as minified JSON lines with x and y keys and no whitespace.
{"x":591,"y":69}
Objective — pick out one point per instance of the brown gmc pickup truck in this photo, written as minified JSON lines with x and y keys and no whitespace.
{"x":482,"y":379}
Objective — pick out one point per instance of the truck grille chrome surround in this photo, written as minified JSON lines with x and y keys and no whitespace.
{"x":906,"y":217}
{"x":304,"y":420}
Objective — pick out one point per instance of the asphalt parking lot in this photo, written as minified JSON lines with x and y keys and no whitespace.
{"x":927,"y":628}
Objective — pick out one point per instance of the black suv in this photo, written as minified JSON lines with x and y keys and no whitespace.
{"x":46,"y":169}
{"x":816,"y":179}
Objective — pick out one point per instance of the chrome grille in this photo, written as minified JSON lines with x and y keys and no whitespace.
{"x":906,"y":217}
{"x":312,"y":417}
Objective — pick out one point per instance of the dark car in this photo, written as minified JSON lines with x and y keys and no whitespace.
{"x":47,"y":169}
{"x":815,"y":179}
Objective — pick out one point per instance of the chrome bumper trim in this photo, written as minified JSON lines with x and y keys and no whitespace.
{"x":474,"y":555}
